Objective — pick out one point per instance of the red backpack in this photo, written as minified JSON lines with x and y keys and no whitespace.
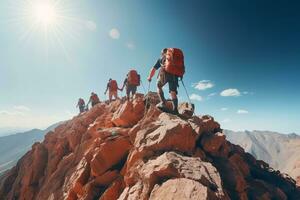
{"x":81,"y":102}
{"x":113,"y":85}
{"x":174,"y":63}
{"x":95,"y":98}
{"x":134,"y":78}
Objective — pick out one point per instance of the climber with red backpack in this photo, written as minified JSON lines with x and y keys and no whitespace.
{"x":81,"y":105}
{"x":132,"y":81}
{"x":94,"y":99}
{"x":171,"y":65}
{"x":112,"y":88}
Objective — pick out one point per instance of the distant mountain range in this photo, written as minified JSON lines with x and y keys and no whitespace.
{"x":281,"y":151}
{"x":13,"y":147}
{"x":11,"y":130}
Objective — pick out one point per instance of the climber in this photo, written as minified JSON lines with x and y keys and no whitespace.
{"x":112,"y":87}
{"x":94,"y":99}
{"x":81,"y":105}
{"x":131,"y":82}
{"x":171,"y":64}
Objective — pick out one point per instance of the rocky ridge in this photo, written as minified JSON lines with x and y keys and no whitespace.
{"x":122,"y":151}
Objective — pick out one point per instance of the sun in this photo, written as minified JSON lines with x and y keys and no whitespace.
{"x":48,"y":24}
{"x":44,"y":13}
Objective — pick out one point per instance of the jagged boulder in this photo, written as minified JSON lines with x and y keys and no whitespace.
{"x":110,"y":153}
{"x":183,"y":189}
{"x":211,"y":143}
{"x":167,"y":166}
{"x":186,"y":110}
{"x":129,"y":113}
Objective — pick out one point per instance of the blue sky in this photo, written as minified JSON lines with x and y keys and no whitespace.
{"x":248,"y":52}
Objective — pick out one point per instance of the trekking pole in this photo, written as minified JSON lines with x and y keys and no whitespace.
{"x":187,"y":94}
{"x":147,"y":97}
{"x":143,"y":86}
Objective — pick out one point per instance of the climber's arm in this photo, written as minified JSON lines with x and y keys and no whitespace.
{"x":152,"y":73}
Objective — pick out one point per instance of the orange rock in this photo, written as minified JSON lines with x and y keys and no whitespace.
{"x":204,"y":124}
{"x":80,"y":177}
{"x":74,"y":139}
{"x":239,"y":163}
{"x":107,"y":178}
{"x":114,"y":191}
{"x":169,"y":133}
{"x":129,"y":113}
{"x":109,"y":154}
{"x":212,"y":142}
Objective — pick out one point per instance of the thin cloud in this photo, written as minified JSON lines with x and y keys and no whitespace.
{"x":224,"y":109}
{"x":248,"y":93}
{"x":130,"y":45}
{"x":11,"y":113}
{"x":227,"y":120}
{"x":114,"y":34}
{"x":231,"y":92}
{"x":212,"y":94}
{"x":91,"y":25}
{"x":22,"y":108}
{"x":196,"y":97}
{"x":203,"y":85}
{"x":241,"y":111}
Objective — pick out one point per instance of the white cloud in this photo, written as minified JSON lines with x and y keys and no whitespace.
{"x":242,"y":111}
{"x":196,"y":97}
{"x":130,"y":45}
{"x":22,"y":108}
{"x":91,"y":25}
{"x":230,"y":93}
{"x":224,"y":109}
{"x":203,"y":85}
{"x":114,"y":33}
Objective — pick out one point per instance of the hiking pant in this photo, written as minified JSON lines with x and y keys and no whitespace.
{"x":81,"y":109}
{"x":112,"y":94}
{"x":172,"y":80}
{"x":130,"y":89}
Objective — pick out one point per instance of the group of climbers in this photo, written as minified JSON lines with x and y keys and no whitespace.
{"x":171,"y":68}
{"x":94,"y":100}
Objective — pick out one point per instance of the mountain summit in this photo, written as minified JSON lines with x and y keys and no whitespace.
{"x":122,"y":151}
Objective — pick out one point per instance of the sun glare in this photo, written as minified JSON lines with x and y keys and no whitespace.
{"x":44,"y":13}
{"x":50,"y":23}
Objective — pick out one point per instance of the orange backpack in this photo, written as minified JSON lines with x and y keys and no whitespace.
{"x":113,"y":86}
{"x":174,"y":63}
{"x":133,"y":78}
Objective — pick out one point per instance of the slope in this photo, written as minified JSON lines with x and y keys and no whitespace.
{"x":120,"y":151}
